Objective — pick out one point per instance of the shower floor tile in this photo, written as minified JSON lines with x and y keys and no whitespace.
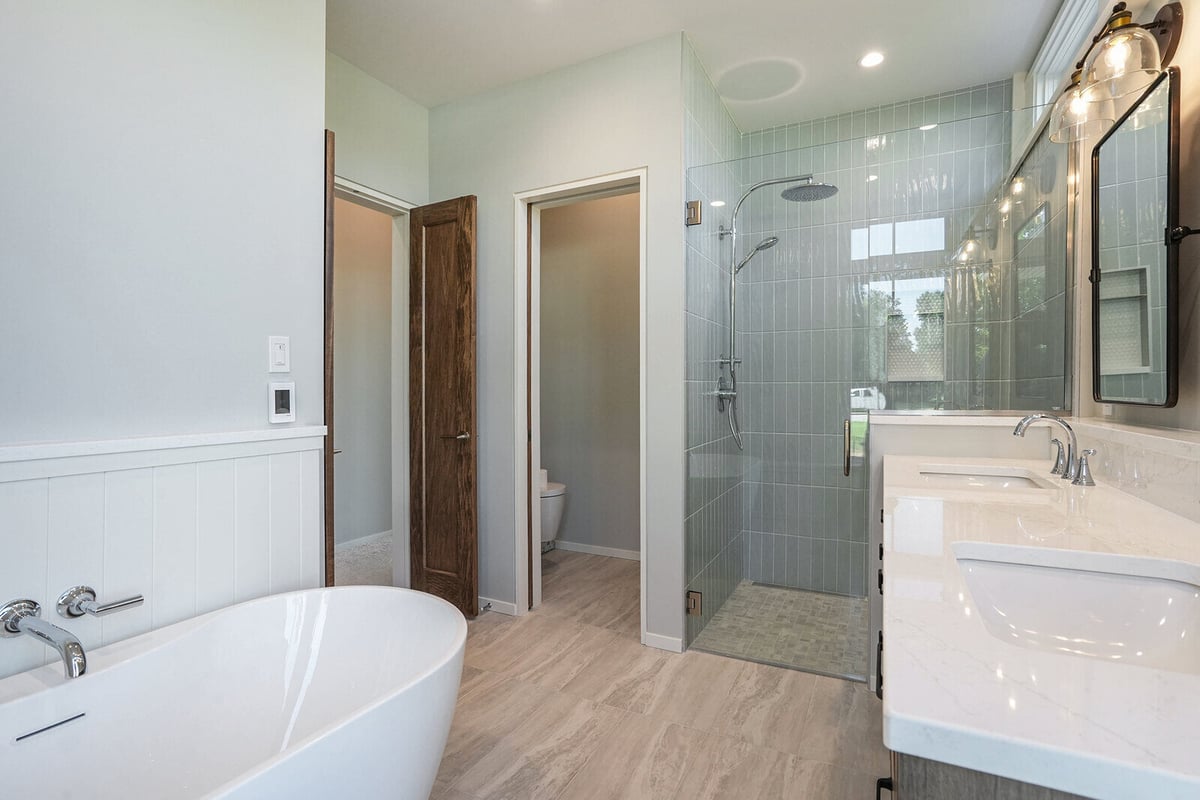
{"x":811,"y":631}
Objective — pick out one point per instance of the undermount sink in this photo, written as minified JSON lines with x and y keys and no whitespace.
{"x":982,"y":477}
{"x":1119,"y":609}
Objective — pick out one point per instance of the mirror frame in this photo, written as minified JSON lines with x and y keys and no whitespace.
{"x":1171,"y":337}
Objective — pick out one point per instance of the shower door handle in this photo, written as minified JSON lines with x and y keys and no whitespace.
{"x":462,"y":435}
{"x":846,"y":448}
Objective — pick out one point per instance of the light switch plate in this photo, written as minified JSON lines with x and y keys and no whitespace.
{"x":279,"y":354}
{"x":281,"y":402}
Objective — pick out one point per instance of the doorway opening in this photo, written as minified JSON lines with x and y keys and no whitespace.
{"x":580,"y":466}
{"x":370,"y":387}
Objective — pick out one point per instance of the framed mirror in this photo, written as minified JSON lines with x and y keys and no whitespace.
{"x":1135,"y":204}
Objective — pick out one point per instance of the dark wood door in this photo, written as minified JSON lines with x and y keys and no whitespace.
{"x":444,"y":527}
{"x":327,"y":341}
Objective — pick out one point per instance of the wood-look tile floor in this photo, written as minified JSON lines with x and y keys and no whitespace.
{"x":566,"y":703}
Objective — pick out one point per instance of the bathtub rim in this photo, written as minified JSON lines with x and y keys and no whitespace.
{"x":25,"y":685}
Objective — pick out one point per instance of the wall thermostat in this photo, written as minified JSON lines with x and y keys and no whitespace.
{"x":282,"y":402}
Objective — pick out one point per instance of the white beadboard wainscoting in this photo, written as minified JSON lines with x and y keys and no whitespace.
{"x":192,"y":522}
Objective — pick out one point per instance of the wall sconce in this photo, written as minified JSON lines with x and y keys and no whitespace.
{"x":971,"y":248}
{"x":1075,"y":117}
{"x":1123,"y":58}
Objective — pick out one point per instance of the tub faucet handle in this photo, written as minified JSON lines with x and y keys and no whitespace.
{"x":1084,"y":478}
{"x":80,"y":600}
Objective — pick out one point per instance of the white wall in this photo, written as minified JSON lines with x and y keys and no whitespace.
{"x":589,"y":376}
{"x":381,"y":137}
{"x":1186,"y":414}
{"x":613,"y":113}
{"x":362,"y":372}
{"x":162,"y":214}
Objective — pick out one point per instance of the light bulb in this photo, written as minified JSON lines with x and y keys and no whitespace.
{"x":1079,"y":106}
{"x":1117,"y":54}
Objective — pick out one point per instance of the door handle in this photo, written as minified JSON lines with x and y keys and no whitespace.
{"x":846,"y":448}
{"x":463,"y":435}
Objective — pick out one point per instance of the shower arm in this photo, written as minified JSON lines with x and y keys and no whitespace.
{"x":756,"y":187}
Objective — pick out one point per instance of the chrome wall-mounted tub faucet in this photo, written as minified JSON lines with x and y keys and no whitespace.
{"x":22,"y":618}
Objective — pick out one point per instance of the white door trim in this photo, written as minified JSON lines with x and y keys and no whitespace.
{"x":525,"y":279}
{"x":371,"y":198}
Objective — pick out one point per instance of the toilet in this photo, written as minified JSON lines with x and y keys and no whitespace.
{"x":554,"y":500}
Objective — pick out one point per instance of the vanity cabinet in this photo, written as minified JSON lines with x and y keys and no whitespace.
{"x":917,"y":778}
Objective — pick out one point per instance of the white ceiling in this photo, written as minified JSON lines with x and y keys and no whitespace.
{"x":775,"y":61}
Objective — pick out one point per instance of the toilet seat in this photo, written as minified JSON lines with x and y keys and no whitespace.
{"x":554,"y":489}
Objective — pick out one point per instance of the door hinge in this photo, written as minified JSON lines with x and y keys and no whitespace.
{"x":695,"y":604}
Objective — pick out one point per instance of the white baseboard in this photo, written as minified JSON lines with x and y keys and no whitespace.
{"x":672,"y":644}
{"x":499,"y":606}
{"x":373,"y":537}
{"x":612,"y":552}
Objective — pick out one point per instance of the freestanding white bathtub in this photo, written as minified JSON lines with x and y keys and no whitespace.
{"x":345,"y":692}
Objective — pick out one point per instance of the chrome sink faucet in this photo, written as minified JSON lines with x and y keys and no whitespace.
{"x":22,"y":618}
{"x":1071,"y":467}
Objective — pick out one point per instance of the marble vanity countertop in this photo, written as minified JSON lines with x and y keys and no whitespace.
{"x":957,"y":693}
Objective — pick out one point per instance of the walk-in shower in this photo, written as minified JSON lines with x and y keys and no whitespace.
{"x":805,"y":190}
{"x":816,"y":315}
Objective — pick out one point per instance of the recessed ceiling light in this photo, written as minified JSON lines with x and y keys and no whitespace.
{"x":717,"y":203}
{"x":928,"y":127}
{"x":871,"y":59}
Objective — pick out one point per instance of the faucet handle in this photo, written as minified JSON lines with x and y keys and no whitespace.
{"x":1084,"y":478}
{"x":80,"y":600}
{"x":1060,"y":463}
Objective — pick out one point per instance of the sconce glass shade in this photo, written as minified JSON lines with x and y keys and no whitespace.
{"x":1075,"y":118}
{"x":1124,"y":61}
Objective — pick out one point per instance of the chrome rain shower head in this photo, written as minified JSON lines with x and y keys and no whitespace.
{"x":765,"y":244}
{"x":808,"y":192}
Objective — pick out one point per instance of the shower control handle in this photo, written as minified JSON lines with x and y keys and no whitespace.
{"x":846,"y":448}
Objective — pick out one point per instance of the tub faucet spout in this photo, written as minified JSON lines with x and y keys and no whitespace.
{"x":21,"y":618}
{"x":1071,"y":467}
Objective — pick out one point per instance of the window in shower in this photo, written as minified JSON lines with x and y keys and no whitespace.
{"x":914,"y":318}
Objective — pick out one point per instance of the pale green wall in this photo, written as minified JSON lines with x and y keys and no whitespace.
{"x":381,"y":137}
